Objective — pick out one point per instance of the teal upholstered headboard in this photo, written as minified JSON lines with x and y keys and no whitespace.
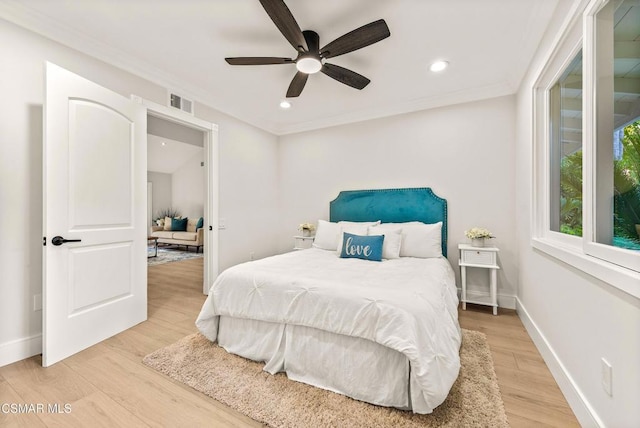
{"x":391,"y":206}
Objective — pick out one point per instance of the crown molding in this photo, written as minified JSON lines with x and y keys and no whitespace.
{"x":458,"y":97}
{"x":20,"y":14}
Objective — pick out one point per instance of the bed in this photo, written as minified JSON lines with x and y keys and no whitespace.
{"x":383,"y":332}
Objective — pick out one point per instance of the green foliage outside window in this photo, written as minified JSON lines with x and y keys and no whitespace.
{"x":571,"y":194}
{"x":626,"y":202}
{"x":626,"y":213}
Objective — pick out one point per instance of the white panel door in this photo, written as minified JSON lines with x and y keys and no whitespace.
{"x":95,"y":284}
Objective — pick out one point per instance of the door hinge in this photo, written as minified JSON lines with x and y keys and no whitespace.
{"x":44,"y":241}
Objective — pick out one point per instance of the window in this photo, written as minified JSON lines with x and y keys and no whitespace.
{"x":565,"y":127}
{"x":614,"y":147}
{"x":587,"y":144}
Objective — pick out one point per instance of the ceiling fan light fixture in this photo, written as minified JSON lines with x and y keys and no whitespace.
{"x":438,"y":66}
{"x":308,"y":64}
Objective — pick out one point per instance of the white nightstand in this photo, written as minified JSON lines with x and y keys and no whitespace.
{"x":302,"y":242}
{"x":479,"y":257}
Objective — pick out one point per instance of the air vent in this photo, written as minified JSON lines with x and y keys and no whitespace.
{"x":181,"y":103}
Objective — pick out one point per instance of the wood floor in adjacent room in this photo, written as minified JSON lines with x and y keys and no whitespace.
{"x":108,"y":386}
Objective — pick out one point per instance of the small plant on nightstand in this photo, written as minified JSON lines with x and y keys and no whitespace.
{"x":478,"y":236}
{"x":307,"y":228}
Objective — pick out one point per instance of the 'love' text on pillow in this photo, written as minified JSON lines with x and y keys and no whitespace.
{"x":362,"y":247}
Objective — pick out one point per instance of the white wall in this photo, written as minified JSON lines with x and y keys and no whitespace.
{"x":247,"y":167}
{"x":187,"y":187}
{"x":160,"y":191}
{"x":574,"y":318}
{"x":464,"y":152}
{"x":249,"y":190}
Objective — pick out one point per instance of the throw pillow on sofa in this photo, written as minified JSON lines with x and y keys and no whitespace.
{"x":179,"y":224}
{"x":191,"y":225}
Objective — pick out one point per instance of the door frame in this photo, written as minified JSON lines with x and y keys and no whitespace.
{"x":149,"y":203}
{"x":211,"y":171}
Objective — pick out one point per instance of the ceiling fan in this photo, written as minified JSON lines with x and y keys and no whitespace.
{"x":310,"y":56}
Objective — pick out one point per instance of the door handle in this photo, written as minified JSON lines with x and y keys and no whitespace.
{"x":59,"y":240}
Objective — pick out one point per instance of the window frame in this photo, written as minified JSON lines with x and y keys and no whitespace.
{"x":625,"y":258}
{"x":551,"y":173}
{"x":578,"y":252}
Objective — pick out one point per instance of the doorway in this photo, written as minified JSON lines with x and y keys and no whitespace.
{"x":175,"y":125}
{"x":94,"y":211}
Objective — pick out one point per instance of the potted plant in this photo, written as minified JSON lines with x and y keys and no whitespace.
{"x":307,"y":228}
{"x":167,"y":212}
{"x":478,"y":235}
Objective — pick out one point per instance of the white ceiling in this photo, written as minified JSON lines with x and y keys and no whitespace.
{"x":182,"y":44}
{"x":165,"y":155}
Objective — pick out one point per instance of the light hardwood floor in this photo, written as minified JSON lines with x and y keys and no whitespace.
{"x":108,"y":386}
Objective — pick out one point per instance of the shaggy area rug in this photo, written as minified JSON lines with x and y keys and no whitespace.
{"x":474,"y":400}
{"x":168,"y":255}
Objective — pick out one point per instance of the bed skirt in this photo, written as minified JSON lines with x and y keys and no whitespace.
{"x":355,"y":367}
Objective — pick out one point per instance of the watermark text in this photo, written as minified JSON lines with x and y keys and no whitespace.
{"x":26,"y":408}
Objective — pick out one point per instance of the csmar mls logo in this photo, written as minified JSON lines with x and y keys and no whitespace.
{"x":23,"y":408}
{"x":59,"y":408}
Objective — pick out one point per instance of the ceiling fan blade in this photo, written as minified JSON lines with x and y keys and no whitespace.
{"x":259,"y":60}
{"x":297,"y":84}
{"x":286,"y":23}
{"x":346,"y":76}
{"x":357,"y":39}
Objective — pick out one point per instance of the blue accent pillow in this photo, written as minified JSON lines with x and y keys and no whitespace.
{"x":179,"y":224}
{"x":362,"y":247}
{"x":200,"y":223}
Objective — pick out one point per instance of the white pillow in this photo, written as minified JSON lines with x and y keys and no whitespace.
{"x":358,"y":223}
{"x":327,"y":235}
{"x":392,"y":241}
{"x":422,"y":240}
{"x":418,"y":239}
{"x":352,"y":229}
{"x":398,"y":225}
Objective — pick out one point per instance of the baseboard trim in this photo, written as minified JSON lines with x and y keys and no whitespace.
{"x":585,"y":414}
{"x":20,"y":349}
{"x":504,"y":301}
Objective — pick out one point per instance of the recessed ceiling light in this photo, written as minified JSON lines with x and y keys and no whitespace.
{"x":285,"y":104}
{"x":164,"y":143}
{"x":438,"y":66}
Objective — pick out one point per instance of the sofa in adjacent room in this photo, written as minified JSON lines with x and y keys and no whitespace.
{"x":180,"y":231}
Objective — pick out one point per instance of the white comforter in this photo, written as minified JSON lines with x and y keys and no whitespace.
{"x":406,"y":304}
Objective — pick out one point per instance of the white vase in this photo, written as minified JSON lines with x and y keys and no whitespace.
{"x":306,"y":232}
{"x":477,"y":242}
